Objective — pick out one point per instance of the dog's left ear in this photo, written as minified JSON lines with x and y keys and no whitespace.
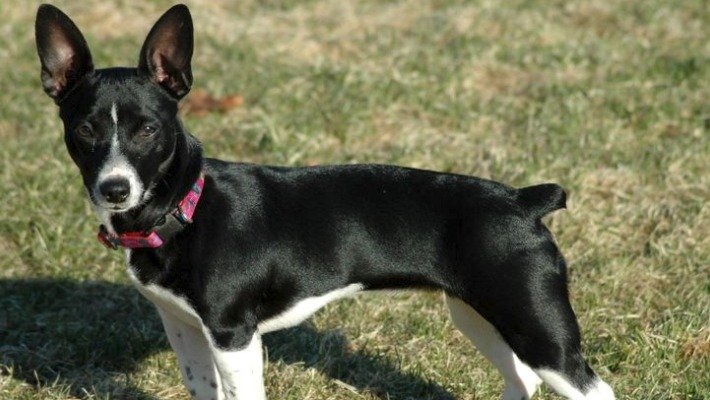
{"x":167,"y":51}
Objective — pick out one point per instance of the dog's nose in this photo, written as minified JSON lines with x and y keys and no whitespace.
{"x":115,"y":190}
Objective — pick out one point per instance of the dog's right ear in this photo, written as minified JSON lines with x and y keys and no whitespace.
{"x":62,"y":50}
{"x":167,"y":51}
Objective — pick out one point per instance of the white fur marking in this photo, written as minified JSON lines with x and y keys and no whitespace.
{"x":117,"y":166}
{"x":115,"y":146}
{"x":300,"y":311}
{"x":242,"y":371}
{"x":601,"y":391}
{"x":114,"y":114}
{"x":562,"y":385}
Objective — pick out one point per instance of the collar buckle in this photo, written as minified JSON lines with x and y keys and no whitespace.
{"x":181,"y":216}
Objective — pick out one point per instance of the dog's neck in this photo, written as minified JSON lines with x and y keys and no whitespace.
{"x":177,"y":177}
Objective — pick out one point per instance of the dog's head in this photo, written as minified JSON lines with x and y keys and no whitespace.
{"x":120,"y":124}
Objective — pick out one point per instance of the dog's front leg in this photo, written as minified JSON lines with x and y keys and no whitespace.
{"x":194,"y":356}
{"x":241,"y":368}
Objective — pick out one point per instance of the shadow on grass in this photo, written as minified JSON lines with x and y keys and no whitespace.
{"x":84,"y":335}
{"x":88,"y":336}
{"x":329,"y":353}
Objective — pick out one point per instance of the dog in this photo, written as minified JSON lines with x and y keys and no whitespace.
{"x":230,"y":251}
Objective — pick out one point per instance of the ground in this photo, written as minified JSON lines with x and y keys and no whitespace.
{"x":609,"y":98}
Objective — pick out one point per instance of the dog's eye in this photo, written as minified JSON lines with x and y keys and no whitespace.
{"x":85,"y":132}
{"x":148,"y":130}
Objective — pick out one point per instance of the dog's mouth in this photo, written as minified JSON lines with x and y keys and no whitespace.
{"x":118,"y":209}
{"x":113,"y":208}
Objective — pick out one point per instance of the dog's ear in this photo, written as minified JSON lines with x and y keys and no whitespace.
{"x":167,"y":51}
{"x":62,"y":51}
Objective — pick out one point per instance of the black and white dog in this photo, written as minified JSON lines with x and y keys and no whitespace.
{"x":230,"y":251}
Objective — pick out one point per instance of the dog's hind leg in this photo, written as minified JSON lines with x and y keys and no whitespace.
{"x":551,"y":346}
{"x":541,"y":327}
{"x":194,"y":356}
{"x":530,"y":307}
{"x":520,"y":380}
{"x":545,"y":335}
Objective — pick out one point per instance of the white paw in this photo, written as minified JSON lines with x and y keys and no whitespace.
{"x":602,"y":391}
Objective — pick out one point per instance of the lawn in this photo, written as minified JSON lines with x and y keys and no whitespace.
{"x":609,"y":98}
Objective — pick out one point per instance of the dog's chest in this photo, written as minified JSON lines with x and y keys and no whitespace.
{"x":165,"y":299}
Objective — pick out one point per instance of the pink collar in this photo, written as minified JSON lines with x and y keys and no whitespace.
{"x":174,"y":222}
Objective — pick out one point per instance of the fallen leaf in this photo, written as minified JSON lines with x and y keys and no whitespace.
{"x":201,"y":103}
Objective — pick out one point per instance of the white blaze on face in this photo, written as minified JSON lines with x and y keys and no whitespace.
{"x":116,"y":166}
{"x":114,"y":117}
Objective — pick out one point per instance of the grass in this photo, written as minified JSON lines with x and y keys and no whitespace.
{"x":608,"y":98}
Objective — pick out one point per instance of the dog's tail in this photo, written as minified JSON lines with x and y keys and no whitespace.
{"x":542,"y":199}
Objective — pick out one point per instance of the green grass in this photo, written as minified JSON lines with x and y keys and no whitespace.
{"x":608,"y":98}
